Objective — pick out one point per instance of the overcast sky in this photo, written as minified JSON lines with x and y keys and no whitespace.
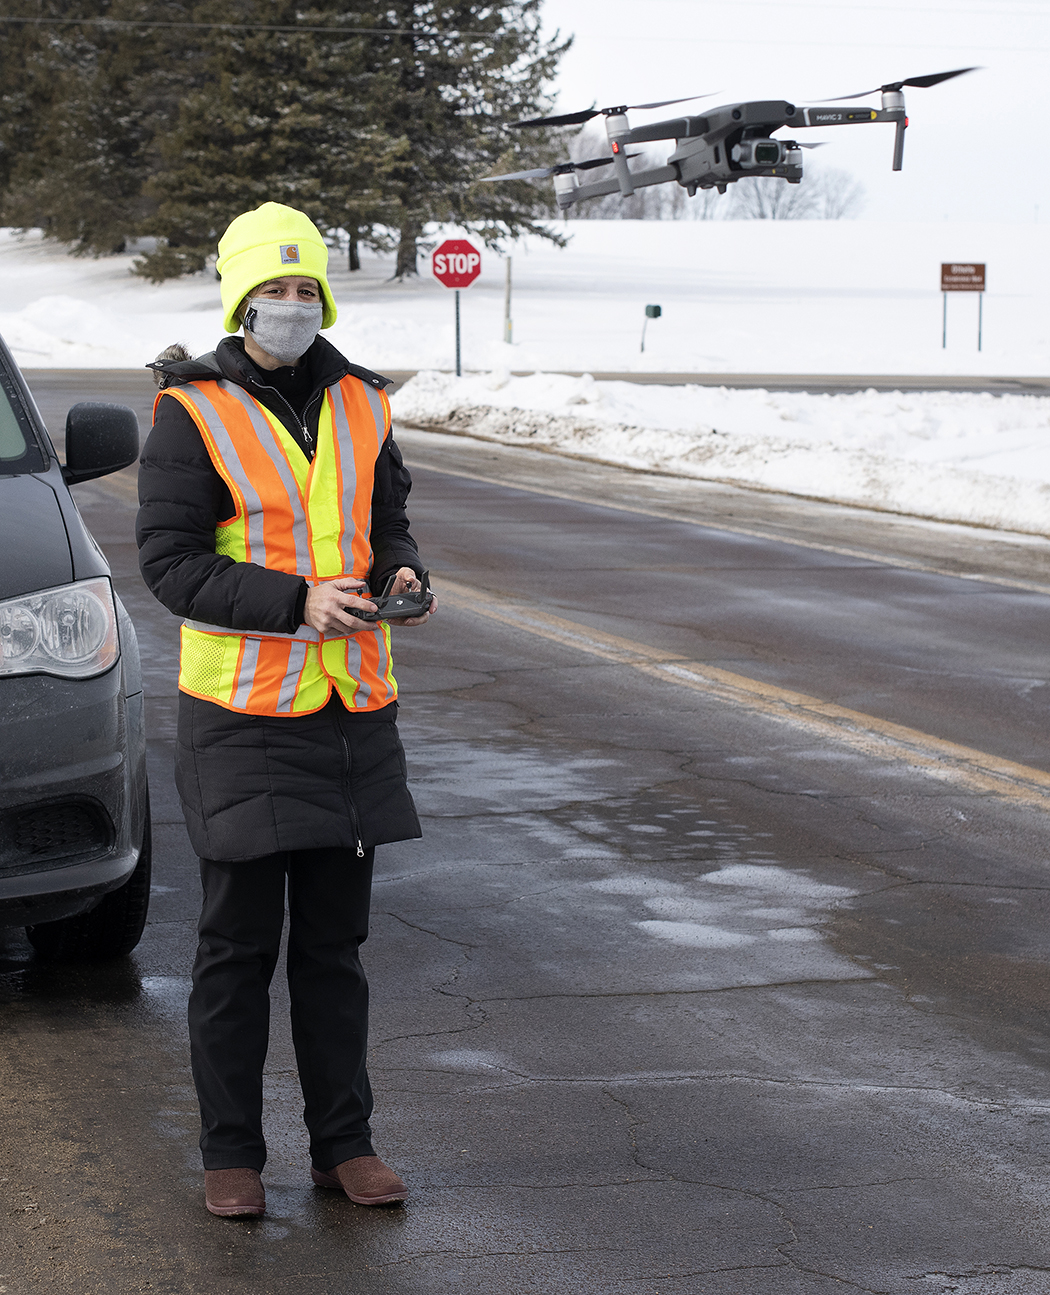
{"x":976,"y":147}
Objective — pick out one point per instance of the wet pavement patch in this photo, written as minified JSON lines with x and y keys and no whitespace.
{"x":974,"y":953}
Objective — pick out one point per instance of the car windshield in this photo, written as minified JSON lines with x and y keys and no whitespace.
{"x":12,"y":438}
{"x":19,"y":450}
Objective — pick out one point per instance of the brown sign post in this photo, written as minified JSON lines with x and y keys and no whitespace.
{"x":962,"y":276}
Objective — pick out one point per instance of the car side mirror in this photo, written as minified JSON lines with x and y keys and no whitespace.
{"x":100,"y":438}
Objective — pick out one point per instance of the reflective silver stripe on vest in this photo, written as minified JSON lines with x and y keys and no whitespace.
{"x":375,"y":400}
{"x":348,"y":471}
{"x":267,"y":436}
{"x":229,"y":456}
{"x":353,"y":666}
{"x":305,"y":633}
{"x":246,"y":674}
{"x":384,"y":658}
{"x":296,"y":661}
{"x":345,"y":441}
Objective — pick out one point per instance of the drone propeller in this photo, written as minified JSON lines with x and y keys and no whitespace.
{"x":563,"y":168}
{"x":578,"y":118}
{"x":921,"y":82}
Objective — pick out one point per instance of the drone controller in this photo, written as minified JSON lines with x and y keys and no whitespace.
{"x":399,"y":607}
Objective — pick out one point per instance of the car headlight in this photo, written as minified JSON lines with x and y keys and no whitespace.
{"x":70,"y":631}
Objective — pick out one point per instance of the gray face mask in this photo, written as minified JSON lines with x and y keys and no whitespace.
{"x":284,"y":329}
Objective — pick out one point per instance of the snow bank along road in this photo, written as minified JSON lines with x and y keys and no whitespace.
{"x":685,"y":990}
{"x":814,"y":383}
{"x":962,"y":456}
{"x":970,"y":456}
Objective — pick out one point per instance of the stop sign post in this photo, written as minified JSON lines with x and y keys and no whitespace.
{"x":456,"y":264}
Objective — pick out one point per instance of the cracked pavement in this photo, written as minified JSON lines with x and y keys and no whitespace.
{"x":670,"y":999}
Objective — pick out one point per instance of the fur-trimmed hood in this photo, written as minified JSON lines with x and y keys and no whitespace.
{"x":174,"y":366}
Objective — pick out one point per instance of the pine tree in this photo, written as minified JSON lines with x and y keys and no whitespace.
{"x":445,"y":85}
{"x":169,"y":118}
{"x":81,"y":106}
{"x":384,"y":128}
{"x":263,"y":124}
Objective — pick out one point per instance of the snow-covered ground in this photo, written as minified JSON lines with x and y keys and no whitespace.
{"x":737,"y":296}
{"x":853,"y":297}
{"x":959,"y":457}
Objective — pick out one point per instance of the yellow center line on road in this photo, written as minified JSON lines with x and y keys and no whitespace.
{"x":963,"y":766}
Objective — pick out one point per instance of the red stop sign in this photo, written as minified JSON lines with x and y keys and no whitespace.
{"x":456,"y":263}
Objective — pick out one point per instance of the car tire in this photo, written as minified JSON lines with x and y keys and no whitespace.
{"x":109,"y":930}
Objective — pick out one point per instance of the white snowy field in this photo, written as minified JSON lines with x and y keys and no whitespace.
{"x":958,"y":457}
{"x":785,"y":297}
{"x":738,"y":297}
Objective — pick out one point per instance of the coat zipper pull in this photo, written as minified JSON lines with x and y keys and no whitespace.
{"x":360,"y":850}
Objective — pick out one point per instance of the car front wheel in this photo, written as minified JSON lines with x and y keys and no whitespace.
{"x":109,"y":930}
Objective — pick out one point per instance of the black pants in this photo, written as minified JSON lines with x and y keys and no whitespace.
{"x":229,"y":1015}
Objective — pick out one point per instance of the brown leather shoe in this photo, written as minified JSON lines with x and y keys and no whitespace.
{"x":234,"y":1193}
{"x":365,"y":1179}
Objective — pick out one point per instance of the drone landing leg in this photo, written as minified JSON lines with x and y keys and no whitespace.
{"x":898,"y":145}
{"x":623,"y":174}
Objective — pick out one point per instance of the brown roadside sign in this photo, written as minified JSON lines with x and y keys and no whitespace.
{"x":962,"y":276}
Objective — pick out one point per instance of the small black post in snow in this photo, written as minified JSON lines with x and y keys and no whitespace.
{"x":651,"y":312}
{"x":459,"y":367}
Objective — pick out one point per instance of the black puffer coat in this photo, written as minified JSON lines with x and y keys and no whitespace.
{"x":253,"y":785}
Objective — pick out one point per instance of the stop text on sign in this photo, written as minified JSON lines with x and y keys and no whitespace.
{"x":456,"y":263}
{"x":463,"y":263}
{"x":962,"y":276}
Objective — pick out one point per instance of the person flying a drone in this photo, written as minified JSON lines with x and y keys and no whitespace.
{"x":272,"y":503}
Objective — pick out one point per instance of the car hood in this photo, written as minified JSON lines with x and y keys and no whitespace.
{"x":34,"y":550}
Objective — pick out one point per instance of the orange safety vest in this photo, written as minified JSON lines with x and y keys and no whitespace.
{"x":309,"y":518}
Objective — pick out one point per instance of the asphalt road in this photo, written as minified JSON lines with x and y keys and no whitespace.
{"x":817,"y":383}
{"x":691,"y":986}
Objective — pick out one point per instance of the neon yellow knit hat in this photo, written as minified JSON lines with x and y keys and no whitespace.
{"x":269,"y":243}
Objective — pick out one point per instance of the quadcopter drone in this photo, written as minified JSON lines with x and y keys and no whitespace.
{"x":717,"y":150}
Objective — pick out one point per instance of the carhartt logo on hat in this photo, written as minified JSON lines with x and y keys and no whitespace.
{"x":289,"y":253}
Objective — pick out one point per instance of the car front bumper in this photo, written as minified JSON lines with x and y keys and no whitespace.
{"x":72,"y":751}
